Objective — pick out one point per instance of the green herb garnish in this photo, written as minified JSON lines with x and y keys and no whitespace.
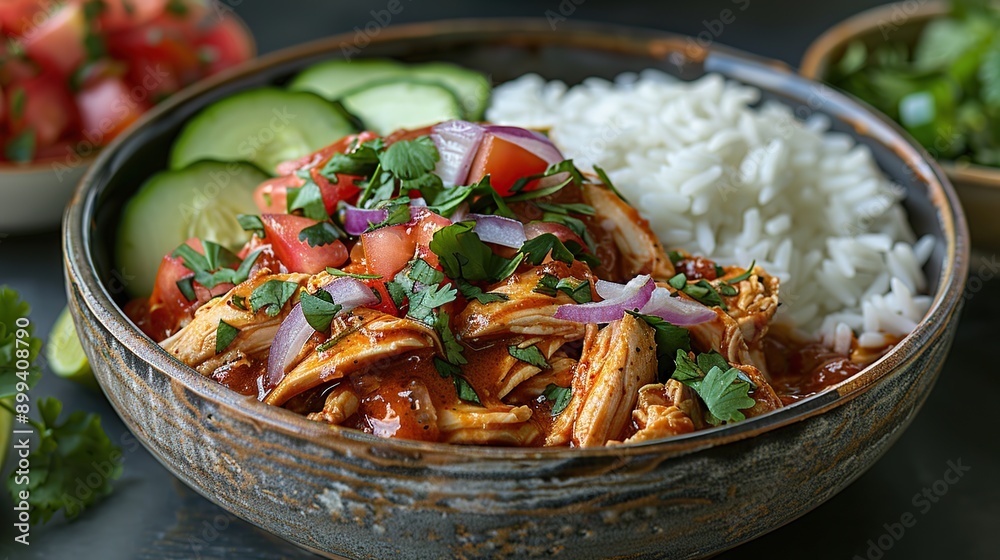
{"x":530,"y":355}
{"x":558,"y":396}
{"x":319,"y":309}
{"x":723,"y":391}
{"x":224,"y":336}
{"x":271,"y":296}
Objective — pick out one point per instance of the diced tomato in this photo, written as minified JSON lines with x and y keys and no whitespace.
{"x":168,"y":307}
{"x":388,"y":249}
{"x":282,"y":232}
{"x":425,"y":224}
{"x":18,"y":16}
{"x":160,"y":55}
{"x":404,"y":134}
{"x":321,"y":156}
{"x":122,"y":14}
{"x":58,"y":40}
{"x":505,"y":162}
{"x":272,"y":195}
{"x":40,"y":104}
{"x":225,"y":44}
{"x":385,"y":303}
{"x":107,"y":107}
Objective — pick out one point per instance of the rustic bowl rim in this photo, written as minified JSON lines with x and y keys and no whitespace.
{"x":82,"y":273}
{"x":816,"y":61}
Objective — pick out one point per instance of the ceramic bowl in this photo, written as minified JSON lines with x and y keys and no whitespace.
{"x":978,"y":186}
{"x":35,"y":194}
{"x":340,"y":492}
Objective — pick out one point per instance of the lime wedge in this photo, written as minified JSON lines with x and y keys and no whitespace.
{"x":65,"y":354}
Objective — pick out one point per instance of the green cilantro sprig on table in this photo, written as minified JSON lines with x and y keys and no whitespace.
{"x":722,"y":388}
{"x":66,"y":451}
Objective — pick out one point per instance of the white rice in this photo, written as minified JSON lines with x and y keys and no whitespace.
{"x":719,"y":177}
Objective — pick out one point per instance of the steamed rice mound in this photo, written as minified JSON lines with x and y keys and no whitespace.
{"x":720,"y":174}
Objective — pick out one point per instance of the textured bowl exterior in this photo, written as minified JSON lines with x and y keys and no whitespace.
{"x":342,"y":493}
{"x":978,"y":186}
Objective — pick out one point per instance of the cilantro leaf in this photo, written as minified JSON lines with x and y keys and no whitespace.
{"x":424,"y":273}
{"x":465,"y":391}
{"x":213,"y":267}
{"x":251,"y":223}
{"x":701,"y":291}
{"x":423,"y":302}
{"x":410,"y":159}
{"x":321,"y":233}
{"x":396,"y":214}
{"x":559,"y":396}
{"x":565,"y":166}
{"x":724,"y":390}
{"x":530,"y":355}
{"x":319,"y":309}
{"x":453,"y":349}
{"x":725,"y":396}
{"x":307,"y":198}
{"x":362,"y":161}
{"x":13,"y":308}
{"x":607,"y":183}
{"x":66,"y":453}
{"x":550,"y":285}
{"x":335,"y":272}
{"x":708,"y":360}
{"x":669,"y":340}
{"x":224,"y":336}
{"x":464,"y":256}
{"x":271,"y":296}
{"x":536,"y":249}
{"x":746,"y":274}
{"x":471,"y":291}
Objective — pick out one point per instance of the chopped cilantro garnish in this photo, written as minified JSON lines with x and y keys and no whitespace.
{"x":321,"y":233}
{"x":307,"y":198}
{"x":536,"y":249}
{"x":565,"y":166}
{"x":530,"y":355}
{"x":746,"y":274}
{"x":720,"y":388}
{"x":567,"y":208}
{"x":335,"y":272}
{"x":361,"y":161}
{"x":465,"y":391}
{"x":607,"y":183}
{"x":224,"y":336}
{"x":579,"y":290}
{"x":213,"y":268}
{"x":409,"y":159}
{"x":453,"y":349}
{"x":675,"y":256}
{"x":396,"y":214}
{"x":558,"y":396}
{"x":728,"y":290}
{"x":319,"y":309}
{"x":420,"y":284}
{"x":464,"y":256}
{"x":251,"y":223}
{"x":239,"y":302}
{"x":186,"y":286}
{"x":424,"y":273}
{"x":669,"y":339}
{"x":271,"y":296}
{"x":471,"y":291}
{"x":701,"y":291}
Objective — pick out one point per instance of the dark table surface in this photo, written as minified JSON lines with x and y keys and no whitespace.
{"x":153,"y":516}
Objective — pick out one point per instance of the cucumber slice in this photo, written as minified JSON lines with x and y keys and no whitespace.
{"x":472,"y":88}
{"x":264,"y":126}
{"x":402,"y":103}
{"x":333,"y":78}
{"x":201,"y":200}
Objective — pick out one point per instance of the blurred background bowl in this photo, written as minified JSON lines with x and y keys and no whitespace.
{"x":34,"y":195}
{"x":978,"y":186}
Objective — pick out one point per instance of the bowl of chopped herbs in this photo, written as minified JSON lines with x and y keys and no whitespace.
{"x":933,"y":67}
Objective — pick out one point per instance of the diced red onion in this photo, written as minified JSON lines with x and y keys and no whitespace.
{"x":294,"y":331}
{"x":499,"y":230}
{"x":676,"y":310}
{"x":457,"y":143}
{"x":357,"y":220}
{"x":619,"y":298}
{"x":633,"y":295}
{"x":533,"y":141}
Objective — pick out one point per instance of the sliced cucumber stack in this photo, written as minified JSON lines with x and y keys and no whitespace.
{"x":471,"y":88}
{"x":201,"y":200}
{"x":264,"y":126}
{"x":333,"y":78}
{"x":402,"y":103}
{"x":336,"y":79}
